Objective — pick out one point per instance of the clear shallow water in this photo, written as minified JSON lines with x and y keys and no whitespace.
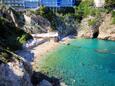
{"x":85,"y":62}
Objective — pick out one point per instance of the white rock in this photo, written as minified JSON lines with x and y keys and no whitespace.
{"x":63,"y":84}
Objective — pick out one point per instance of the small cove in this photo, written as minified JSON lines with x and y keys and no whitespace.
{"x":85,"y":62}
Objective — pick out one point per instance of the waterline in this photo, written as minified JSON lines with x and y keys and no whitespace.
{"x":85,"y":62}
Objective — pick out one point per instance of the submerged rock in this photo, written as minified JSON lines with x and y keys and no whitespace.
{"x":105,"y":51}
{"x":68,"y":43}
{"x":45,"y":83}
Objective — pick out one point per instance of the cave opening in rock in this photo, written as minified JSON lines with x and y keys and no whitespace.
{"x":95,"y":35}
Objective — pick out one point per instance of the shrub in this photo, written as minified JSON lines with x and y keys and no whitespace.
{"x":65,"y":10}
{"x":45,"y":12}
{"x":113,"y":17}
{"x":110,"y":2}
{"x":5,"y":56}
{"x":48,"y":14}
{"x":113,"y":20}
{"x":23,"y":38}
{"x":113,"y":13}
{"x":84,"y":8}
{"x":92,"y":22}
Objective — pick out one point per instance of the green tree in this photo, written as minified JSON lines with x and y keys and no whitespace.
{"x":110,"y":2}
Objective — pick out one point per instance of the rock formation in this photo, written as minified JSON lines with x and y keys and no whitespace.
{"x":107,"y":29}
{"x":67,"y":26}
{"x":102,"y":29}
{"x":36,"y":24}
{"x":14,"y":74}
{"x":89,"y":31}
{"x":15,"y":70}
{"x":29,"y":23}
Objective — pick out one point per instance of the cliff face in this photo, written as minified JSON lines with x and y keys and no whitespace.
{"x":12,"y":69}
{"x":36,"y":24}
{"x":28,"y":22}
{"x":102,"y":28}
{"x":11,"y":35}
{"x":15,"y":70}
{"x":89,"y":30}
{"x":67,"y":26}
{"x":14,"y":74}
{"x":107,"y":29}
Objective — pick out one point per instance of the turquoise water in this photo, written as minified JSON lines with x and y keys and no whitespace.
{"x":85,"y":62}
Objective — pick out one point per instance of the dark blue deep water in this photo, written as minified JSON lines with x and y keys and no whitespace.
{"x":85,"y":62}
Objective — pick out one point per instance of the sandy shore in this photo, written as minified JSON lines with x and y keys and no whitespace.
{"x":46,"y":47}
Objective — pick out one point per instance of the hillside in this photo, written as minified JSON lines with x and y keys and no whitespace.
{"x":16,"y":29}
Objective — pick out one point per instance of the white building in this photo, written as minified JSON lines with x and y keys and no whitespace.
{"x":99,"y":3}
{"x":14,"y":3}
{"x":21,"y":3}
{"x":58,"y":3}
{"x":31,"y":3}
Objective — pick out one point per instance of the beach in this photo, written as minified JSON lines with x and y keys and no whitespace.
{"x":46,"y":47}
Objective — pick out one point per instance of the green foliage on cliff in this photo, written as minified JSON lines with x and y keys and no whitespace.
{"x":113,"y":17}
{"x":92,"y":22}
{"x":48,"y":14}
{"x":84,"y":8}
{"x":5,"y":57}
{"x":110,"y":2}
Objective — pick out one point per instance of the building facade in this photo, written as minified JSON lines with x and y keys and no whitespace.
{"x":21,"y":3}
{"x":14,"y":3}
{"x":37,"y":3}
{"x":31,"y":3}
{"x":58,"y":3}
{"x":99,"y":3}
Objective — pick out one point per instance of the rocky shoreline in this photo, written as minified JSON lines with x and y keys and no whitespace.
{"x":104,"y":30}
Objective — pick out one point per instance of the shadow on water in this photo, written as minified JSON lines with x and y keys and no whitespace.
{"x":37,"y":77}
